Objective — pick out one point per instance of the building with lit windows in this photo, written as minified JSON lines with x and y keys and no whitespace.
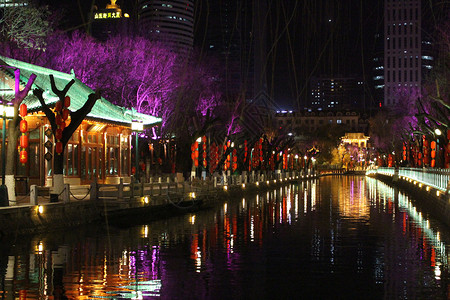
{"x":12,"y":3}
{"x":336,"y":93}
{"x":407,"y":49}
{"x":303,"y":123}
{"x":169,"y":21}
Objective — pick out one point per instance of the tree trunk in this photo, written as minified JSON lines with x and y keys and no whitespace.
{"x":58,"y":177}
{"x":11,"y":150}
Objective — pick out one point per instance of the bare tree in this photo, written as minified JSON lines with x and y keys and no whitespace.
{"x":13,"y":134}
{"x":75,"y":120}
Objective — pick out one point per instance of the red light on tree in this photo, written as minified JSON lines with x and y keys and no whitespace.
{"x":23,"y":156}
{"x":67,"y":101}
{"x":59,"y":147}
{"x":23,"y":110}
{"x":23,"y":140}
{"x":23,"y":125}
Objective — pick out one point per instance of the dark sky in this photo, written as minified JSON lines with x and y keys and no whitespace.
{"x":305,"y":38}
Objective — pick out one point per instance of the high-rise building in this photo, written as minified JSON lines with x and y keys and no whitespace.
{"x":407,"y":55}
{"x":169,"y":21}
{"x":336,"y":93}
{"x":13,"y":3}
{"x":224,"y":31}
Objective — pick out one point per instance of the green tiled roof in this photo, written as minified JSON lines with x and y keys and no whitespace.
{"x":103,"y":110}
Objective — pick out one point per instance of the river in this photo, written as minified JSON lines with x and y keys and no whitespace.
{"x":337,"y":237}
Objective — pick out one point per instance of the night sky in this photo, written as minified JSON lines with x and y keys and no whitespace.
{"x":305,"y":38}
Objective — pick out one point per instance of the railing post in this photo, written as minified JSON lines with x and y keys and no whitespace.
{"x":66,"y":193}
{"x":33,"y":195}
{"x":120,"y":189}
{"x":94,"y":190}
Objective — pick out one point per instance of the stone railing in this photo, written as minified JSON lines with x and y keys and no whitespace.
{"x":436,"y":178}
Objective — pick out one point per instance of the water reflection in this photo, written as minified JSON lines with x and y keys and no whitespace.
{"x":349,"y":236}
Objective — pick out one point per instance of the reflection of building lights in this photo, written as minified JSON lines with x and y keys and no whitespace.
{"x":225,"y":207}
{"x":267,"y":182}
{"x":146,"y":200}
{"x":243,"y":185}
{"x":145,"y":231}
{"x":437,"y":193}
{"x":192,"y":219}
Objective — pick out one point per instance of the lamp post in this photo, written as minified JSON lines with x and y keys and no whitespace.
{"x":6,"y":112}
{"x":438,"y":132}
{"x":137,"y":127}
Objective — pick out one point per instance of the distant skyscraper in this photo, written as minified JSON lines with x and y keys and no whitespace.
{"x":12,"y":3}
{"x":406,"y":48}
{"x":336,"y":93}
{"x":169,"y":21}
{"x":224,"y":30}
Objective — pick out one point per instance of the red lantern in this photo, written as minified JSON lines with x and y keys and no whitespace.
{"x":196,"y":162}
{"x":23,"y":141}
{"x":23,"y":110}
{"x":59,"y":147}
{"x":23,"y":126}
{"x":23,"y":156}
{"x":67,"y":101}
{"x":65,"y":114}
{"x":58,"y":119}
{"x":58,"y":134}
{"x":204,"y":139}
{"x":58,"y":106}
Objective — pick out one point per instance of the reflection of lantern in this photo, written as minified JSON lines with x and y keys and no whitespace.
{"x":59,"y":147}
{"x":133,"y":170}
{"x":23,"y":156}
{"x":23,"y":110}
{"x":23,"y":126}
{"x":23,"y":140}
{"x":67,"y":101}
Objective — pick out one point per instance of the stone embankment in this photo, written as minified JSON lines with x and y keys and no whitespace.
{"x":122,"y":204}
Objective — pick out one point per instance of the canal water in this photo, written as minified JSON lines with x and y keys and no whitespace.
{"x":337,"y":237}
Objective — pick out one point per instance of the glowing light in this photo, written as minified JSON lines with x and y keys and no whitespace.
{"x":40,"y":248}
{"x":243,"y":185}
{"x":192,"y":195}
{"x":192,"y":219}
{"x":437,"y":193}
{"x":257,"y":183}
{"x":225,"y":188}
{"x":40,"y":209}
{"x":146,"y":200}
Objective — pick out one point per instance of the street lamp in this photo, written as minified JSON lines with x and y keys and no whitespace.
{"x":137,"y":127}
{"x":6,"y":112}
{"x":438,"y":132}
